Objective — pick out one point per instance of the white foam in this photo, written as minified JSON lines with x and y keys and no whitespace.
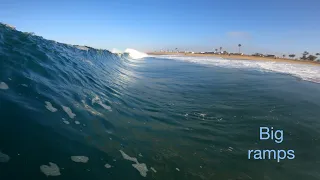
{"x":304,"y":71}
{"x":24,"y":85}
{"x":97,"y":100}
{"x":177,"y":169}
{"x":153,"y":169}
{"x":68,"y":111}
{"x":202,"y":115}
{"x":50,"y":107}
{"x":10,"y":26}
{"x":127,"y":157}
{"x":80,"y":159}
{"x":90,"y":109}
{"x":51,"y":170}
{"x":4,"y":86}
{"x":141,"y":167}
{"x":66,"y":122}
{"x":134,"y":54}
{"x":107,"y":166}
{"x":4,"y":157}
{"x":77,"y":122}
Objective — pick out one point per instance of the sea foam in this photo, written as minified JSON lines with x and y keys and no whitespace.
{"x":50,"y":107}
{"x":141,"y":167}
{"x":4,"y":86}
{"x":80,"y":159}
{"x":51,"y":170}
{"x":97,"y":100}
{"x":68,"y":111}
{"x":107,"y":166}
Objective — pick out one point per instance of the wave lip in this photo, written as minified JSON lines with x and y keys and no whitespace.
{"x":134,"y":54}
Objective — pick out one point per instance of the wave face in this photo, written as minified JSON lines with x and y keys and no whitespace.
{"x":66,"y":84}
{"x":68,"y":73}
{"x":303,"y":71}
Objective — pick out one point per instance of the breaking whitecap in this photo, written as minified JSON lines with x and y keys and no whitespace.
{"x":304,"y":71}
{"x":51,"y":170}
{"x":68,"y":111}
{"x":50,"y":107}
{"x":80,"y":159}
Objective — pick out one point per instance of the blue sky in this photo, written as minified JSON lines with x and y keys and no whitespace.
{"x":270,"y":26}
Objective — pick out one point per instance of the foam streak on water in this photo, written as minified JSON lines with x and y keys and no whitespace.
{"x":68,"y":111}
{"x":51,"y":170}
{"x":304,"y":71}
{"x":4,"y":157}
{"x":141,"y":167}
{"x":50,"y":107}
{"x":80,"y":159}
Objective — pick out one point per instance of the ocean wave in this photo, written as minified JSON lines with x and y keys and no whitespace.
{"x":61,"y":78}
{"x":304,"y":71}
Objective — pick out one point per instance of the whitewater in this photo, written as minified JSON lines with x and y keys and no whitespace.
{"x":304,"y":71}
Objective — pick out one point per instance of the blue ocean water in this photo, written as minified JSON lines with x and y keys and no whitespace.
{"x":151,"y":118}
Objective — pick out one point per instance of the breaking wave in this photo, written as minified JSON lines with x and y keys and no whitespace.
{"x":304,"y":71}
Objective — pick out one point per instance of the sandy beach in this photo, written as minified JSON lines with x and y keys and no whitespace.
{"x":239,"y":57}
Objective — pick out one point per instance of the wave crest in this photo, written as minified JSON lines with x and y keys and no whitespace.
{"x":134,"y":54}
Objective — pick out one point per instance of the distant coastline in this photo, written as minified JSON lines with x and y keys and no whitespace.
{"x":239,"y":57}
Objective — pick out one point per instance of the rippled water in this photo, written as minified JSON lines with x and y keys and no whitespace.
{"x":82,"y":113}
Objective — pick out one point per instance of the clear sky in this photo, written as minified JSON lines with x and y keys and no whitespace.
{"x":266,"y":26}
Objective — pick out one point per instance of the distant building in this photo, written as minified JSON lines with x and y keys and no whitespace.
{"x":271,"y":56}
{"x":258,"y":54}
{"x":240,"y":54}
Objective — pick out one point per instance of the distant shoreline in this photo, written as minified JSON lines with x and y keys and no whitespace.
{"x":239,"y":57}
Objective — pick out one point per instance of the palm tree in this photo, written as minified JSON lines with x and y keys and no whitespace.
{"x":220,"y":49}
{"x":216,"y":50}
{"x":239,"y":45}
{"x":304,"y":55}
{"x":317,"y":54}
{"x":284,"y":56}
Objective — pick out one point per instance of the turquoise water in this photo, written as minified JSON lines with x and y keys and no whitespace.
{"x":186,"y":120}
